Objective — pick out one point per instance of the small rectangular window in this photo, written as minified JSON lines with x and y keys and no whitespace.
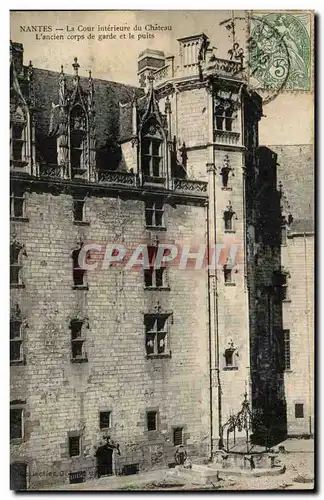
{"x":178,"y":436}
{"x":156,"y":334}
{"x":17,"y":141}
{"x":154,"y":213}
{"x":299,"y":410}
{"x":104,"y":418}
{"x":77,"y":339}
{"x":151,"y":418}
{"x":155,"y":278}
{"x":16,"y":423}
{"x":16,"y":252}
{"x":74,"y":446}
{"x":227,"y":274}
{"x":284,"y":235}
{"x":15,"y":341}
{"x":229,"y":357}
{"x":78,"y":210}
{"x":287,"y":349}
{"x":78,"y":272}
{"x":228,"y":220}
{"x":17,"y":203}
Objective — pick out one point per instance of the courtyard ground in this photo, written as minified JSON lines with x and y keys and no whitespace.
{"x":299,"y":475}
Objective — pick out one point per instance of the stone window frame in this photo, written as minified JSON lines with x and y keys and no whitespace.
{"x":84,"y":322}
{"x":79,"y":199}
{"x":228,"y":275}
{"x":15,"y":316}
{"x":78,"y":171}
{"x":151,"y":211}
{"x":224,"y":115}
{"x":155,"y":317}
{"x":73,"y":434}
{"x":18,"y":193}
{"x":158,"y":277}
{"x":18,"y":405}
{"x":19,"y":119}
{"x":17,"y":251}
{"x":153,"y":133}
{"x":106,"y":410}
{"x":156,"y":411}
{"x":184,"y":438}
{"x":299,"y":403}
{"x":77,"y":283}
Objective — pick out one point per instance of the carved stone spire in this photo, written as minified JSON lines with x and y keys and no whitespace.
{"x":62,"y":88}
{"x":76,"y":67}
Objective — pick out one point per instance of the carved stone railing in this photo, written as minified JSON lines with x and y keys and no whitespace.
{"x":114,"y":177}
{"x":163,"y":73}
{"x":226,"y":137}
{"x":189,"y":186}
{"x":224,"y":66}
{"x":47,"y":170}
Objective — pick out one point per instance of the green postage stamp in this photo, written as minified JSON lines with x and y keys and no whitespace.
{"x":280,"y":50}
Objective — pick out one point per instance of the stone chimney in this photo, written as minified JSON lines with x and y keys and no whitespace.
{"x":192,"y":49}
{"x":149,"y":61}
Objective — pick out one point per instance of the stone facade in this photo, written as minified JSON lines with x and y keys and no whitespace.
{"x":88,"y":158}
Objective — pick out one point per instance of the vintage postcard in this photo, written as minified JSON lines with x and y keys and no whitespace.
{"x":162,"y":250}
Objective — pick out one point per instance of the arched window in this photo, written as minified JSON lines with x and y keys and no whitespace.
{"x":18,"y":139}
{"x":152,"y":150}
{"x":78,"y":141}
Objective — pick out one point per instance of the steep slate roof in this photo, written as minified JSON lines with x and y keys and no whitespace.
{"x":107,"y":96}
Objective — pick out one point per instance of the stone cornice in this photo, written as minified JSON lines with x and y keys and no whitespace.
{"x":68,"y":186}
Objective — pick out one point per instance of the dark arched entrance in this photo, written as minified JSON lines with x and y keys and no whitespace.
{"x":104,"y":457}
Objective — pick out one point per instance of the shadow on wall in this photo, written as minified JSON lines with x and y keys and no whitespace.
{"x":268,"y":292}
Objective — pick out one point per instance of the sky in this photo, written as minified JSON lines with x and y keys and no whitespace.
{"x":288,"y":118}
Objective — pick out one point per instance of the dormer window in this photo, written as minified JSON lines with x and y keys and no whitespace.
{"x":152,"y":151}
{"x":78,"y":141}
{"x":18,"y":138}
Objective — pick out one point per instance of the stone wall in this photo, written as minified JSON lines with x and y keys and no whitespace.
{"x":62,"y":396}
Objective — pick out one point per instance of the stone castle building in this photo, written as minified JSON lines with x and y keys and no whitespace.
{"x":113,"y":369}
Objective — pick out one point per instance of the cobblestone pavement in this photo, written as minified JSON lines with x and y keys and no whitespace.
{"x":298,"y":459}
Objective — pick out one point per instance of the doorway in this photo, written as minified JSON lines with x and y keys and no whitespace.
{"x":104,"y":457}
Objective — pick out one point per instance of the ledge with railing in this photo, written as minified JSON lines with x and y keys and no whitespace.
{"x":131,"y":180}
{"x":189,"y":186}
{"x":116,"y":177}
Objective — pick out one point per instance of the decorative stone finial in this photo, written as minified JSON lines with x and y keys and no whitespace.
{"x":76,"y":66}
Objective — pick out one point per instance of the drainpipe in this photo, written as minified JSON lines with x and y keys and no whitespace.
{"x":213,"y":301}
{"x":209,"y":336}
{"x":215,"y":305}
